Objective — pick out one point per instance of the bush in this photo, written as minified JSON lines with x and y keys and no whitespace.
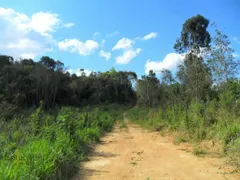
{"x":216,"y":119}
{"x":47,"y":146}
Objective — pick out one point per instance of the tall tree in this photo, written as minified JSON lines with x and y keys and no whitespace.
{"x":221,"y":60}
{"x":194,"y":72}
{"x":194,"y":35}
{"x":167,"y":77}
{"x":148,"y":90}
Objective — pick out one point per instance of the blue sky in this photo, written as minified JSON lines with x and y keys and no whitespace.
{"x":97,"y":35}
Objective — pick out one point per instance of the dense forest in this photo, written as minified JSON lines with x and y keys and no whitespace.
{"x":50,"y":118}
{"x":24,"y":83}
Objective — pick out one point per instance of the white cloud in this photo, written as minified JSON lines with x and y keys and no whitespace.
{"x":123,"y":43}
{"x":31,"y":47}
{"x":68,"y":25}
{"x":171,"y":61}
{"x":70,"y":71}
{"x":85,"y":71}
{"x":44,"y":23}
{"x":20,"y":38}
{"x":127,"y":56}
{"x":106,"y":55}
{"x":6,"y":12}
{"x":80,"y":72}
{"x":74,"y":45}
{"x":151,"y":35}
{"x":27,"y":36}
{"x":129,"y":52}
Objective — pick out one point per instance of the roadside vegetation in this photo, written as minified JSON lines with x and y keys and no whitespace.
{"x":51,"y":146}
{"x":202,"y":100}
{"x":50,"y":119}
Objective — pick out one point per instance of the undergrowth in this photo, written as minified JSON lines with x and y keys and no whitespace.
{"x":216,"y":121}
{"x":51,"y":146}
{"x":123,"y":126}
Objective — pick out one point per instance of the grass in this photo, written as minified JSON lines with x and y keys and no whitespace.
{"x":51,"y":146}
{"x":179,"y":139}
{"x":133,"y":163}
{"x":213,"y":121}
{"x":199,"y":151}
{"x":123,"y":126}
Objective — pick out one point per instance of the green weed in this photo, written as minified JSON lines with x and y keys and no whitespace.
{"x":123,"y":125}
{"x":133,"y":163}
{"x":199,"y":151}
{"x":179,"y":139}
{"x":50,"y":146}
{"x":215,"y":119}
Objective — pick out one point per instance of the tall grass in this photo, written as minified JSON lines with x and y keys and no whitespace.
{"x":49,"y":146}
{"x":218,"y":121}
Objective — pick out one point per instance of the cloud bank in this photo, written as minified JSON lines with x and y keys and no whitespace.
{"x":170,"y":61}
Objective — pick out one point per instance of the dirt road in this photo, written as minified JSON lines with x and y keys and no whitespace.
{"x":140,"y":155}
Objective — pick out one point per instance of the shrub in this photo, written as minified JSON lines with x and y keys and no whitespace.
{"x":47,"y":146}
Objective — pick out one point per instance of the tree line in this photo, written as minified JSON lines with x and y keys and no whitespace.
{"x":207,"y":70}
{"x":25,"y":83}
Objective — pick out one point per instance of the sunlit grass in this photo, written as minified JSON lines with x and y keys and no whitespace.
{"x":214,"y":121}
{"x":50,"y":146}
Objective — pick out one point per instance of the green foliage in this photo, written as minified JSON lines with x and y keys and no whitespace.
{"x":7,"y":111}
{"x":89,"y":134}
{"x":25,"y":83}
{"x":50,"y":146}
{"x":216,"y":120}
{"x":138,"y":113}
{"x":222,"y":63}
{"x":194,"y":34}
{"x":133,"y":163}
{"x":147,"y":90}
{"x":179,"y":139}
{"x":199,"y":151}
{"x":123,"y":125}
{"x":234,"y":152}
{"x":231,"y":134}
